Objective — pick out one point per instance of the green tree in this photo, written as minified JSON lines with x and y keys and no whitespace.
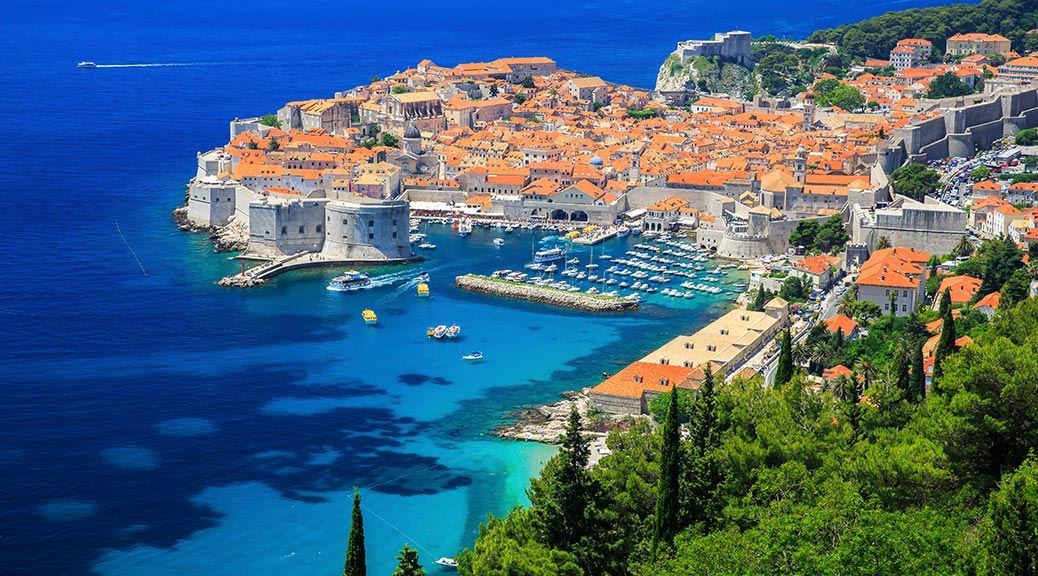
{"x":1015,"y":289}
{"x":963,"y":248}
{"x":510,"y":546}
{"x":883,"y":243}
{"x":1010,"y":531}
{"x":946,"y":343}
{"x":667,"y":494}
{"x":948,"y":85}
{"x":998,"y":259}
{"x":270,"y":120}
{"x":356,"y":558}
{"x":389,"y":139}
{"x":831,"y":235}
{"x":567,"y":502}
{"x":1026,"y":137}
{"x":527,"y":82}
{"x":804,"y":233}
{"x":980,"y":173}
{"x":915,"y":180}
{"x":407,"y":563}
{"x":917,"y":382}
{"x":784,"y":370}
{"x":399,"y":88}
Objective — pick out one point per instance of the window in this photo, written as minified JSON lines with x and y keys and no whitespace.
{"x":886,"y":292}
{"x":663,"y":382}
{"x":319,"y":228}
{"x":394,"y":221}
{"x":284,"y":230}
{"x":886,"y":307}
{"x":302,"y":229}
{"x":345,"y":221}
{"x":689,"y":345}
{"x":904,"y":308}
{"x":371,"y":236}
{"x":394,"y":234}
{"x":371,"y":222}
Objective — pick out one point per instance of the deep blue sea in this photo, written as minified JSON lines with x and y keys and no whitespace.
{"x":158,"y":424}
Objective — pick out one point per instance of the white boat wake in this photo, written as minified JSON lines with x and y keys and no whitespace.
{"x":158,"y":64}
{"x":414,"y":280}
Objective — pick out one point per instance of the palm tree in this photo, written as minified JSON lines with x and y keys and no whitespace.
{"x":802,"y":354}
{"x":867,"y":370}
{"x":844,"y":387}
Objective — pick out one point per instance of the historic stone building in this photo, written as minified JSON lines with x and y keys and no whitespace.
{"x":736,"y":45}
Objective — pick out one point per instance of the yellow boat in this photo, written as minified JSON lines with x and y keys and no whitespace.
{"x":423,"y":290}
{"x":369,"y":316}
{"x":573,"y":234}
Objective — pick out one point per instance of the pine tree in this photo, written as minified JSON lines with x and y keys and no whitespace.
{"x":917,"y":383}
{"x":407,"y":563}
{"x":356,"y":563}
{"x":667,"y":494}
{"x":784,"y":371}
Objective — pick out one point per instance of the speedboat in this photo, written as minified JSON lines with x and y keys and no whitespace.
{"x":427,"y":246}
{"x":453,"y":331}
{"x":423,"y":290}
{"x":449,"y":562}
{"x":86,"y":64}
{"x":474,"y":357}
{"x":349,"y":281}
{"x":499,"y":241}
{"x":369,"y":316}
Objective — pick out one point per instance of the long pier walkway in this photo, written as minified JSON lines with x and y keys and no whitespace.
{"x":258,"y":275}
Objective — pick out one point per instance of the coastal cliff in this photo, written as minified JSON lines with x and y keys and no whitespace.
{"x":544,"y":294}
{"x":705,"y":74}
{"x":230,"y":238}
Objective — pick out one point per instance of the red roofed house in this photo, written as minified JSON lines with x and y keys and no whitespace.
{"x":842,"y":323}
{"x":630,"y":390}
{"x":897,"y":274}
{"x":988,"y":304}
{"x":962,"y":289}
{"x":836,"y":372}
{"x":818,"y":268}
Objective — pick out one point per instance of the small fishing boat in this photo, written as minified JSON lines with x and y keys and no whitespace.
{"x":473,"y":357}
{"x":427,"y":246}
{"x":349,"y":281}
{"x":423,"y":290}
{"x":369,"y":316}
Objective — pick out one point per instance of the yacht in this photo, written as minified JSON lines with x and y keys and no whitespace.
{"x":474,"y":357}
{"x":448,"y":562}
{"x":349,"y":281}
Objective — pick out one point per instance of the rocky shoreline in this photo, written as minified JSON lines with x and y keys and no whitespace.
{"x":234,"y":237}
{"x":546,"y":423}
{"x":544,"y":294}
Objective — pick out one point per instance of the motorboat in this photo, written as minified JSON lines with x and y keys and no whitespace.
{"x":448,"y":562}
{"x":349,"y":281}
{"x":369,"y":316}
{"x":499,"y":241}
{"x":423,"y":290}
{"x":473,"y":357}
{"x":427,"y":246}
{"x":549,"y":255}
{"x":86,"y":64}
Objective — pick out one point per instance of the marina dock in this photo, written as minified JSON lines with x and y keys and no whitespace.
{"x":544,"y":294}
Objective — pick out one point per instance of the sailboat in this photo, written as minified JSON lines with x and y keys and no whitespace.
{"x":591,"y":262}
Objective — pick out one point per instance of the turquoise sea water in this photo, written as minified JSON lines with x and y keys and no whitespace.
{"x":158,"y":424}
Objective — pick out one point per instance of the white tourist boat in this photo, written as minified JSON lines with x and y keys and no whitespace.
{"x":427,"y":246}
{"x":86,"y":64}
{"x":349,"y":281}
{"x":473,"y":357}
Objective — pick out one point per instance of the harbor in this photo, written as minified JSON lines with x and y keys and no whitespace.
{"x":545,"y":294}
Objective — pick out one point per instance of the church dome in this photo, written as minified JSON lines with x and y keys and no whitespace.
{"x":596,"y":161}
{"x":411,"y":131}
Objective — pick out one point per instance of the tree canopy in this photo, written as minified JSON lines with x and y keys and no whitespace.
{"x":915,"y":180}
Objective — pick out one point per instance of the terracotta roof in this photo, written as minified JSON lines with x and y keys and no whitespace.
{"x":962,"y":289}
{"x":639,"y":377}
{"x":841,"y":322}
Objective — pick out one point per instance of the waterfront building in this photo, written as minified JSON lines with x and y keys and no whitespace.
{"x":894,"y":276}
{"x":630,"y":390}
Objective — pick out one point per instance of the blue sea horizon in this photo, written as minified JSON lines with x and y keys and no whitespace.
{"x":155,"y":423}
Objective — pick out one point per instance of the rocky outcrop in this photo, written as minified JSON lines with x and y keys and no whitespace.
{"x":705,"y":74}
{"x":546,"y":423}
{"x":234,"y":237}
{"x":544,"y":294}
{"x":240,"y":281}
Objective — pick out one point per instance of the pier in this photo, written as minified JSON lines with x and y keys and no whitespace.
{"x":258,"y":275}
{"x":544,"y":294}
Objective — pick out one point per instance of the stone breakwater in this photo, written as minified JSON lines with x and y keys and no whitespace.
{"x":543,"y":294}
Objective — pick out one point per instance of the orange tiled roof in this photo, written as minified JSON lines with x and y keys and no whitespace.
{"x":962,"y":289}
{"x":841,"y":322}
{"x":639,"y":377}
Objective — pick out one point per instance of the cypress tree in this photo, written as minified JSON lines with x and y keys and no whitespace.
{"x":407,"y":563}
{"x":917,"y":383}
{"x":356,"y":563}
{"x":902,"y":377}
{"x":705,"y":417}
{"x":667,"y":494}
{"x":784,"y":371}
{"x":946,"y":343}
